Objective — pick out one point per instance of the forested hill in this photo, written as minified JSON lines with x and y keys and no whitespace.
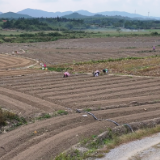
{"x":13,"y":15}
{"x":75,"y":16}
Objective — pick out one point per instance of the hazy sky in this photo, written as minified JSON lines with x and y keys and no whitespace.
{"x":141,"y":6}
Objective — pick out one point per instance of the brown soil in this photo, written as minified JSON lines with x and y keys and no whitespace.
{"x":123,"y":99}
{"x":76,"y":50}
{"x":14,"y":65}
{"x":113,"y":94}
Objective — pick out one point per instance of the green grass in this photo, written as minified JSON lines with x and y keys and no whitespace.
{"x":59,"y":69}
{"x":45,"y":116}
{"x":36,"y":36}
{"x":87,"y":109}
{"x":61,"y":112}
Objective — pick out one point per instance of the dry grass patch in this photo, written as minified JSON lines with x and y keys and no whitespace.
{"x":10,"y":119}
{"x":4,"y":115}
{"x":148,"y":66}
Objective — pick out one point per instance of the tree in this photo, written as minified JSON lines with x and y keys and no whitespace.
{"x":118,"y":30}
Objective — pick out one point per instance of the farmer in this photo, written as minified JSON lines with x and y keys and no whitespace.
{"x":44,"y":66}
{"x":66,"y":74}
{"x":105,"y":71}
{"x":154,"y":48}
{"x":96,"y":73}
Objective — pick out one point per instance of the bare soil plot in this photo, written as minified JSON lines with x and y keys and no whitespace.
{"x":119,"y":98}
{"x":75,"y":50}
{"x":14,"y":65}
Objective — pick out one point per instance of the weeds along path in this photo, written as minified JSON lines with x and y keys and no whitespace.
{"x":119,"y":98}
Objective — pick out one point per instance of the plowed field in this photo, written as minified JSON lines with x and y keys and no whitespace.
{"x":123,"y":99}
{"x":76,"y":50}
{"x":13,"y":65}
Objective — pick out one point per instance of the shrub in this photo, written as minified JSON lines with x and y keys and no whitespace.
{"x":6,"y":115}
{"x":2,"y":119}
{"x":154,"y":33}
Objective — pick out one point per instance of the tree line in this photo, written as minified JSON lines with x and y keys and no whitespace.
{"x":62,"y":24}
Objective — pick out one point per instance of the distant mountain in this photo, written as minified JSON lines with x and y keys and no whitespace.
{"x":13,"y":15}
{"x":41,"y":13}
{"x":85,"y":13}
{"x":75,"y":16}
{"x":0,"y":12}
{"x":124,"y":14}
{"x":99,"y":15}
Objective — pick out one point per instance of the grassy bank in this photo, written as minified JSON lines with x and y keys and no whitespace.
{"x":98,"y":149}
{"x":144,"y":66}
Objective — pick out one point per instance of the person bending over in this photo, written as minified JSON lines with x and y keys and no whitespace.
{"x":96,"y":73}
{"x":66,"y":74}
{"x":105,"y":71}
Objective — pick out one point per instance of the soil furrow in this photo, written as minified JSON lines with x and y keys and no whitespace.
{"x":120,"y":94}
{"x":22,"y":108}
{"x":119,"y":101}
{"x":57,"y":81}
{"x":109,"y":88}
{"x":58,"y":139}
{"x":77,"y":85}
{"x":73,"y":89}
{"x":30,"y":100}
